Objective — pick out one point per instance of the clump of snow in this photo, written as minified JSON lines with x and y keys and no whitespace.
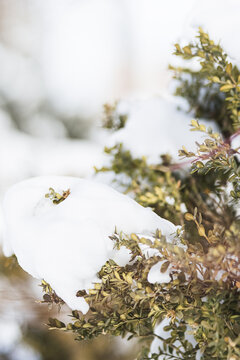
{"x":156,"y":276}
{"x":156,"y":126}
{"x":66,"y":244}
{"x":183,"y":208}
{"x":236,"y":144}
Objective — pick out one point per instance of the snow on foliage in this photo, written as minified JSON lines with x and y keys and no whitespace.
{"x":156,"y":126}
{"x":153,"y":275}
{"x":67,"y":243}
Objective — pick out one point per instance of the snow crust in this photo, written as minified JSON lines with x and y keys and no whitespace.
{"x":66,"y":244}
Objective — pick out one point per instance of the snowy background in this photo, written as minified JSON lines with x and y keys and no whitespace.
{"x":60,"y":61}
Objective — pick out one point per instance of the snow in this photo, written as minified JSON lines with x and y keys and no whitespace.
{"x":236,"y":144}
{"x":183,"y":208}
{"x":155,"y":126}
{"x":22,"y":156}
{"x":159,"y":330}
{"x":66,"y":244}
{"x":156,"y":276}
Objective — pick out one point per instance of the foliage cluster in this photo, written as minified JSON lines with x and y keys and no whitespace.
{"x":213,"y":92}
{"x":112,"y":119}
{"x":203,"y":297}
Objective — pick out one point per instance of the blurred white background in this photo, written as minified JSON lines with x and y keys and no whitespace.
{"x":61,"y":60}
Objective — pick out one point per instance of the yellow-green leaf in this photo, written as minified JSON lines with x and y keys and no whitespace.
{"x":194,"y":123}
{"x":201,"y":231}
{"x":215,"y":79}
{"x":189,"y":217}
{"x":229,"y":68}
{"x":187,"y":50}
{"x":226,"y":87}
{"x":177,"y":47}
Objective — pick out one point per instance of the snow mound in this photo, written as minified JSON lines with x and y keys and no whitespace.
{"x":67,"y":243}
{"x":156,"y":126}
